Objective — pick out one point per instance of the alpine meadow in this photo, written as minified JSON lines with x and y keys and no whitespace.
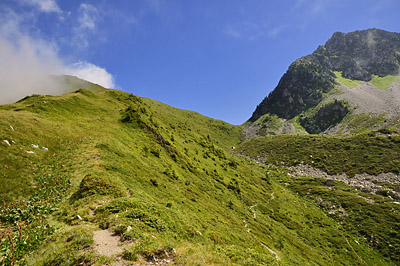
{"x":100,"y":176}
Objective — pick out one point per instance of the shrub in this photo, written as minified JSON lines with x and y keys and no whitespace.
{"x":91,"y":185}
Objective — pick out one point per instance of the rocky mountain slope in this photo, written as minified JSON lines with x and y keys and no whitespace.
{"x":104,"y":177}
{"x":349,"y":84}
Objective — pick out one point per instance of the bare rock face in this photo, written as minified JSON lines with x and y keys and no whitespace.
{"x":327,"y":116}
{"x":300,"y":88}
{"x":361,"y":54}
{"x":358,"y":55}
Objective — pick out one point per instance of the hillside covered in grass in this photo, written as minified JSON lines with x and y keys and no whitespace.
{"x":165,"y":181}
{"x":327,"y":163}
{"x":371,"y":153}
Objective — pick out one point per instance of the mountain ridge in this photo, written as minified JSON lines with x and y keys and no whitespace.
{"x":306,"y":91}
{"x":174,"y":186}
{"x":164,"y":180}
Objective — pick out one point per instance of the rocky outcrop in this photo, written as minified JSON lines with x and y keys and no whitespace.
{"x":300,"y":88}
{"x":364,"y":182}
{"x":327,"y":116}
{"x":361,"y":54}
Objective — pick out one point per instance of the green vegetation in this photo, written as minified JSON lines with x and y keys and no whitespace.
{"x":324,"y":116}
{"x":383,"y":83}
{"x":364,"y":122}
{"x":162,"y":179}
{"x":371,"y":219}
{"x":268,"y":124}
{"x":24,"y":222}
{"x":299,"y":129}
{"x":346,"y":82}
{"x":363,"y":153}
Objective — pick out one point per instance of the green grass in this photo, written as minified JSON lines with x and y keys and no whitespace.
{"x":364,"y":122}
{"x":372,"y":219}
{"x":346,"y":82}
{"x":268,"y":123}
{"x":363,"y":153}
{"x":166,"y":173}
{"x":299,"y":129}
{"x":383,"y":83}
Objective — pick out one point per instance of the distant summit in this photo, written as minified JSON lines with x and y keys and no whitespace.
{"x":361,"y":54}
{"x":364,"y":57}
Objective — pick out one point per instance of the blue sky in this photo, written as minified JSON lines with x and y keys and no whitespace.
{"x":217,"y":57}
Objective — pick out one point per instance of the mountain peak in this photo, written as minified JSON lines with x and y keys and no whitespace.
{"x":359,"y":55}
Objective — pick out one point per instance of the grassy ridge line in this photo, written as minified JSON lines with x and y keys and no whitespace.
{"x":56,"y":123}
{"x":35,"y":182}
{"x":195,"y":197}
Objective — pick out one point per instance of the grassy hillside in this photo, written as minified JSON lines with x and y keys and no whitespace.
{"x":383,"y":83}
{"x":371,"y":153}
{"x":162,"y":179}
{"x":347,"y":82}
{"x":368,"y":216}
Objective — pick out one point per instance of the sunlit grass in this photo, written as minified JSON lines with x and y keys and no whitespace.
{"x":383,"y":83}
{"x":347,"y":82}
{"x":168,"y":175}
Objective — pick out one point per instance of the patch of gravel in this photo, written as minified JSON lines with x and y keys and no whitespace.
{"x":366,"y":98}
{"x":286,"y":128}
{"x":108,"y":244}
{"x":364,"y":182}
{"x":160,"y":262}
{"x":250,"y":131}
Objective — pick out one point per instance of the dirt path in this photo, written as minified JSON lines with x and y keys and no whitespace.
{"x":107,"y":244}
{"x":272,"y":196}
{"x":271,"y":251}
{"x":362,"y":261}
{"x":253,"y":211}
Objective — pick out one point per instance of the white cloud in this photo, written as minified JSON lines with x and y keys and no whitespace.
{"x":232,"y":32}
{"x":92,"y":73}
{"x":315,"y":7}
{"x":26,"y":63}
{"x":45,"y":5}
{"x":88,"y":16}
{"x":249,"y":30}
{"x":276,"y":30}
{"x":86,"y":25}
{"x":155,"y":5}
